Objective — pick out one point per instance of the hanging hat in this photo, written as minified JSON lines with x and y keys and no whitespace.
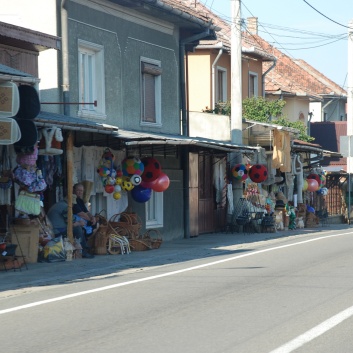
{"x":29,"y":136}
{"x":280,"y":205}
{"x":29,"y":102}
{"x":50,"y":141}
{"x":10,"y":99}
{"x":9,"y":131}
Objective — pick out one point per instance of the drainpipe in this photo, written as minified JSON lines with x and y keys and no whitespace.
{"x":323,"y":109}
{"x":264,"y":75}
{"x":214,"y":78}
{"x":65,"y":58}
{"x":185,"y":132}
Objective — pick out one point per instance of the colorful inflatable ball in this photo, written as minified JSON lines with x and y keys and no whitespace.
{"x":313,"y":185}
{"x":258,"y":173}
{"x":131,"y":166}
{"x":152,"y":169}
{"x":162,"y":183}
{"x":240,"y":172}
{"x":140,"y":194}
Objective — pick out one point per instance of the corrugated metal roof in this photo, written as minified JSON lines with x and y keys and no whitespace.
{"x":46,"y":119}
{"x":6,"y":70}
{"x":137,"y":138}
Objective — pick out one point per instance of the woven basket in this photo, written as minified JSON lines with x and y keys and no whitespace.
{"x":124,"y":220}
{"x":153,"y":238}
{"x":101,"y":240}
{"x":139,"y":245}
{"x":156,"y":243}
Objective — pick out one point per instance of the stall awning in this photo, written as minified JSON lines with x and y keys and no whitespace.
{"x":46,"y":119}
{"x":302,"y":146}
{"x":137,"y":138}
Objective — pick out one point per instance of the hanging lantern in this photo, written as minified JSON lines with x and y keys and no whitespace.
{"x":258,"y":173}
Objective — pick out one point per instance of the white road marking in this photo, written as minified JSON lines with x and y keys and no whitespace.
{"x":315,"y":332}
{"x":172,"y":273}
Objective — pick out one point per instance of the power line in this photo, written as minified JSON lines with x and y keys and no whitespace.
{"x":340,"y":24}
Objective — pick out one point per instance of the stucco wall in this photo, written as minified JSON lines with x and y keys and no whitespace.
{"x":211,"y":126}
{"x":124,"y":44}
{"x":199,"y":83}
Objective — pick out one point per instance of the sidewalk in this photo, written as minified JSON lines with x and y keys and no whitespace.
{"x":41,"y":274}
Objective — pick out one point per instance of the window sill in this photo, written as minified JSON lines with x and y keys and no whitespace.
{"x":91,"y":115}
{"x":158,"y":125}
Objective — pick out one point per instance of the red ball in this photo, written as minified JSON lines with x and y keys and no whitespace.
{"x":152,"y":169}
{"x":315,"y":177}
{"x":258,"y":173}
{"x":162,"y":183}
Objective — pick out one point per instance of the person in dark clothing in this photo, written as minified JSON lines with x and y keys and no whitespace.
{"x":80,"y":208}
{"x":57,"y":215}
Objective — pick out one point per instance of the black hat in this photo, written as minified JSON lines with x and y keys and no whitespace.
{"x":29,"y":136}
{"x":29,"y":102}
{"x":280,"y":205}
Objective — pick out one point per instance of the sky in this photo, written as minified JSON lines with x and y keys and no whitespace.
{"x":315,"y":31}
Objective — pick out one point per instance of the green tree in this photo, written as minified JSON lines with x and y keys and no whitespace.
{"x":265,"y":111}
{"x":271,"y":111}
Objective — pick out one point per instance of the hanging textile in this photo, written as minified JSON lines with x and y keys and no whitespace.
{"x":88,"y":167}
{"x":77,"y":152}
{"x":230,"y":198}
{"x":281,"y":151}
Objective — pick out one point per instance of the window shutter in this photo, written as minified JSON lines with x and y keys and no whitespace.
{"x":151,"y":69}
{"x":149,"y":98}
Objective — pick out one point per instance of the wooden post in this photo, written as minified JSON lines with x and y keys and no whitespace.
{"x":70,"y":166}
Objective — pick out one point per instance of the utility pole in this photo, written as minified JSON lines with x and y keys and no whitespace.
{"x":350,"y":113}
{"x":236,"y":94}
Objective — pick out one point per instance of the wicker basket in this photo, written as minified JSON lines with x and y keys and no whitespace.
{"x":125,"y":220}
{"x":156,"y":243}
{"x":101,"y":240}
{"x":153,"y":238}
{"x":139,"y":245}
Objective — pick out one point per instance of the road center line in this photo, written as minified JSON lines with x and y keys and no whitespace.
{"x":172,"y":273}
{"x":315,"y":332}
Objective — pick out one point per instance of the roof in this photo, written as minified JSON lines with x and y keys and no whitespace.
{"x":294,"y":76}
{"x":223,"y":40}
{"x":303,"y":146}
{"x":180,"y":12}
{"x":28,"y":39}
{"x":6,"y":70}
{"x":46,"y":119}
{"x":328,"y":134}
{"x":136,"y":138}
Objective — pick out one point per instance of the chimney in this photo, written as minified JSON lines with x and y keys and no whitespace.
{"x":252,"y":25}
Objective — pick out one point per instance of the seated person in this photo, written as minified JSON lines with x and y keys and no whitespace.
{"x":80,"y":210}
{"x":57,"y":216}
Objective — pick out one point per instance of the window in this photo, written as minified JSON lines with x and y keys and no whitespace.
{"x":253,"y":84}
{"x":221,"y":93}
{"x":150,"y":91}
{"x":154,"y":210}
{"x":91,"y":80}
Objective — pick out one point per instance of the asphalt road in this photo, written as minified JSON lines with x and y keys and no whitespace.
{"x":291,"y":295}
